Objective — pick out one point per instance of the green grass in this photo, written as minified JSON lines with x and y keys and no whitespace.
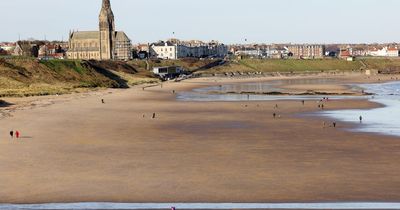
{"x":300,"y":65}
{"x":381,"y":63}
{"x":290,"y":65}
{"x":62,"y":65}
{"x":13,"y":57}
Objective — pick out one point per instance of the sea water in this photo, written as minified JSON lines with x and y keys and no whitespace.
{"x":384,"y":120}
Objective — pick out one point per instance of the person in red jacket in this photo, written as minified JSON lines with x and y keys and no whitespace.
{"x":17,"y":134}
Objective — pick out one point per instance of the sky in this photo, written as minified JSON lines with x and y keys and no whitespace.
{"x":229,"y":21}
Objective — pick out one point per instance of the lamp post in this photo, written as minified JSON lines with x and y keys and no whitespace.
{"x":245,"y":46}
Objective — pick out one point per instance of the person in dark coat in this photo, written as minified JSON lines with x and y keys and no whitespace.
{"x":12,"y":134}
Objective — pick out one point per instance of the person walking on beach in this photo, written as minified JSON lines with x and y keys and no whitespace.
{"x":17,"y":134}
{"x":154,"y":115}
{"x":274,"y":115}
{"x":334,"y":124}
{"x":361,"y":119}
{"x":12,"y":134}
{"x":102,"y":101}
{"x":303,"y":102}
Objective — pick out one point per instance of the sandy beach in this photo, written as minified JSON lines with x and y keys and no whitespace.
{"x":76,"y":149}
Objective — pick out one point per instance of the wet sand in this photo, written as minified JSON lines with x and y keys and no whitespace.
{"x":79,"y":150}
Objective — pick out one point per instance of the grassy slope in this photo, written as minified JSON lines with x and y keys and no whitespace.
{"x":26,"y":77}
{"x":382,"y":63}
{"x":251,"y":65}
{"x":256,"y":65}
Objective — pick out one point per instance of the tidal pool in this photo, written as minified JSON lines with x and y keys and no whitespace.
{"x":384,"y":120}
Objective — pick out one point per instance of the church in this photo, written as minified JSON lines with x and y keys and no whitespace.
{"x":105,"y":44}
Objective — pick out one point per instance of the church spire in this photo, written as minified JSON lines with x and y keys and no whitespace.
{"x":106,"y":17}
{"x":106,"y":4}
{"x":107,"y":31}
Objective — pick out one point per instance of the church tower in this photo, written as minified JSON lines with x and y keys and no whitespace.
{"x":107,"y":30}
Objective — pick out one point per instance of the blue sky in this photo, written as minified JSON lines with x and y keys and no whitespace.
{"x":230,"y":21}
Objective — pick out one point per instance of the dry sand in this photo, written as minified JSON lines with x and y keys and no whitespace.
{"x":76,"y":149}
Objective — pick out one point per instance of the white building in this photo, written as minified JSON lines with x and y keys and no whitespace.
{"x":393,"y":52}
{"x":8,"y":46}
{"x":167,"y":71}
{"x":251,"y":52}
{"x":194,"y":49}
{"x":384,"y":52}
{"x":165,"y":50}
{"x":277,"y":52}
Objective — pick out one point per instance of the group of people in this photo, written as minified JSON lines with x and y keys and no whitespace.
{"x":321,"y":104}
{"x":334,"y":124}
{"x":152,"y":117}
{"x":15,"y":134}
